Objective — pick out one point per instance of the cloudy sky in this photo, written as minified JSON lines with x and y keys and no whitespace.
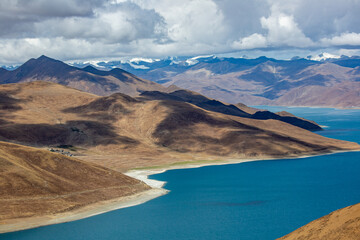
{"x":109,"y":29}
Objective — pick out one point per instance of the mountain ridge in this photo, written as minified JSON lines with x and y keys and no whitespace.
{"x":88,"y":79}
{"x":260,"y":81}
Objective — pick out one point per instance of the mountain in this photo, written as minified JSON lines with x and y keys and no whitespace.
{"x":229,"y":109}
{"x":341,"y":224}
{"x":122,"y":132}
{"x":86,"y":79}
{"x":48,"y":69}
{"x":333,"y":81}
{"x":323,"y":57}
{"x":39,"y":183}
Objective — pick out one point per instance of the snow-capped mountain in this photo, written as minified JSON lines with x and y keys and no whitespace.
{"x":139,"y":63}
{"x":323,"y":80}
{"x":323,"y":57}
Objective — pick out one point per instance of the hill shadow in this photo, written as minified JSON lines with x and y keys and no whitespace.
{"x":109,"y":108}
{"x":85,"y":133}
{"x":8,"y":105}
{"x":228,"y":109}
{"x":177,"y":131}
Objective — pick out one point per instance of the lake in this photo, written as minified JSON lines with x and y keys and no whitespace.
{"x":254,"y":200}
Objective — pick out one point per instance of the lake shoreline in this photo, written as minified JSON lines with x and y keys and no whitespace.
{"x":156,"y":190}
{"x":14,"y":225}
{"x":143,"y":174}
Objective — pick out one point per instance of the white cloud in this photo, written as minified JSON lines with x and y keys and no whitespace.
{"x":20,"y":50}
{"x":283,"y":30}
{"x":123,"y":22}
{"x":253,"y":41}
{"x":69,"y":29}
{"x":352,"y":39}
{"x":190,"y":20}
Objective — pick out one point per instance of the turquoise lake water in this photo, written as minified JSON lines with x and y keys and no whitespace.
{"x":254,"y":200}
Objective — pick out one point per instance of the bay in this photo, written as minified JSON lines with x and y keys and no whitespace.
{"x":253,"y":200}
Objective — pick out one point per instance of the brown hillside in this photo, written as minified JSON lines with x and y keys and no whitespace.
{"x":239,"y":110}
{"x":87,"y":79}
{"x":342,"y":224}
{"x":37,"y":182}
{"x":121,"y":132}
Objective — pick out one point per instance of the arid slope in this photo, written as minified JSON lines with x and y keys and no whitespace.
{"x":122,"y":132}
{"x":37,"y":183}
{"x":342,"y":224}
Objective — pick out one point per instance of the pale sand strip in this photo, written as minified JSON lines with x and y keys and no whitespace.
{"x":123,"y":202}
{"x":143,"y":174}
{"x":85,"y":212}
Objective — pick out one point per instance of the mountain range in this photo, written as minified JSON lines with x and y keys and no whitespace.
{"x":66,"y":140}
{"x":88,"y":79}
{"x":331,"y":82}
{"x":105,"y":83}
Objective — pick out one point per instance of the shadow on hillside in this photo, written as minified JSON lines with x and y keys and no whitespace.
{"x":8,"y":103}
{"x":85,"y":133}
{"x":196,"y":99}
{"x":228,"y":109}
{"x":104,"y":109}
{"x":178,"y":131}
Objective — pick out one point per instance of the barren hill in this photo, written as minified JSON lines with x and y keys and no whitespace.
{"x":122,"y":132}
{"x":35,"y":183}
{"x":239,"y":110}
{"x":342,"y":224}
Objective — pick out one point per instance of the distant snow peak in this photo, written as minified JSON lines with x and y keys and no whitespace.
{"x":94,"y":63}
{"x":10,"y":67}
{"x":191,"y":62}
{"x":194,"y":60}
{"x":323,"y":56}
{"x":139,"y":59}
{"x":138,"y":66}
{"x":174,"y":60}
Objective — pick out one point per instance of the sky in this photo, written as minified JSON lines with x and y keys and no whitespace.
{"x":110,"y":29}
